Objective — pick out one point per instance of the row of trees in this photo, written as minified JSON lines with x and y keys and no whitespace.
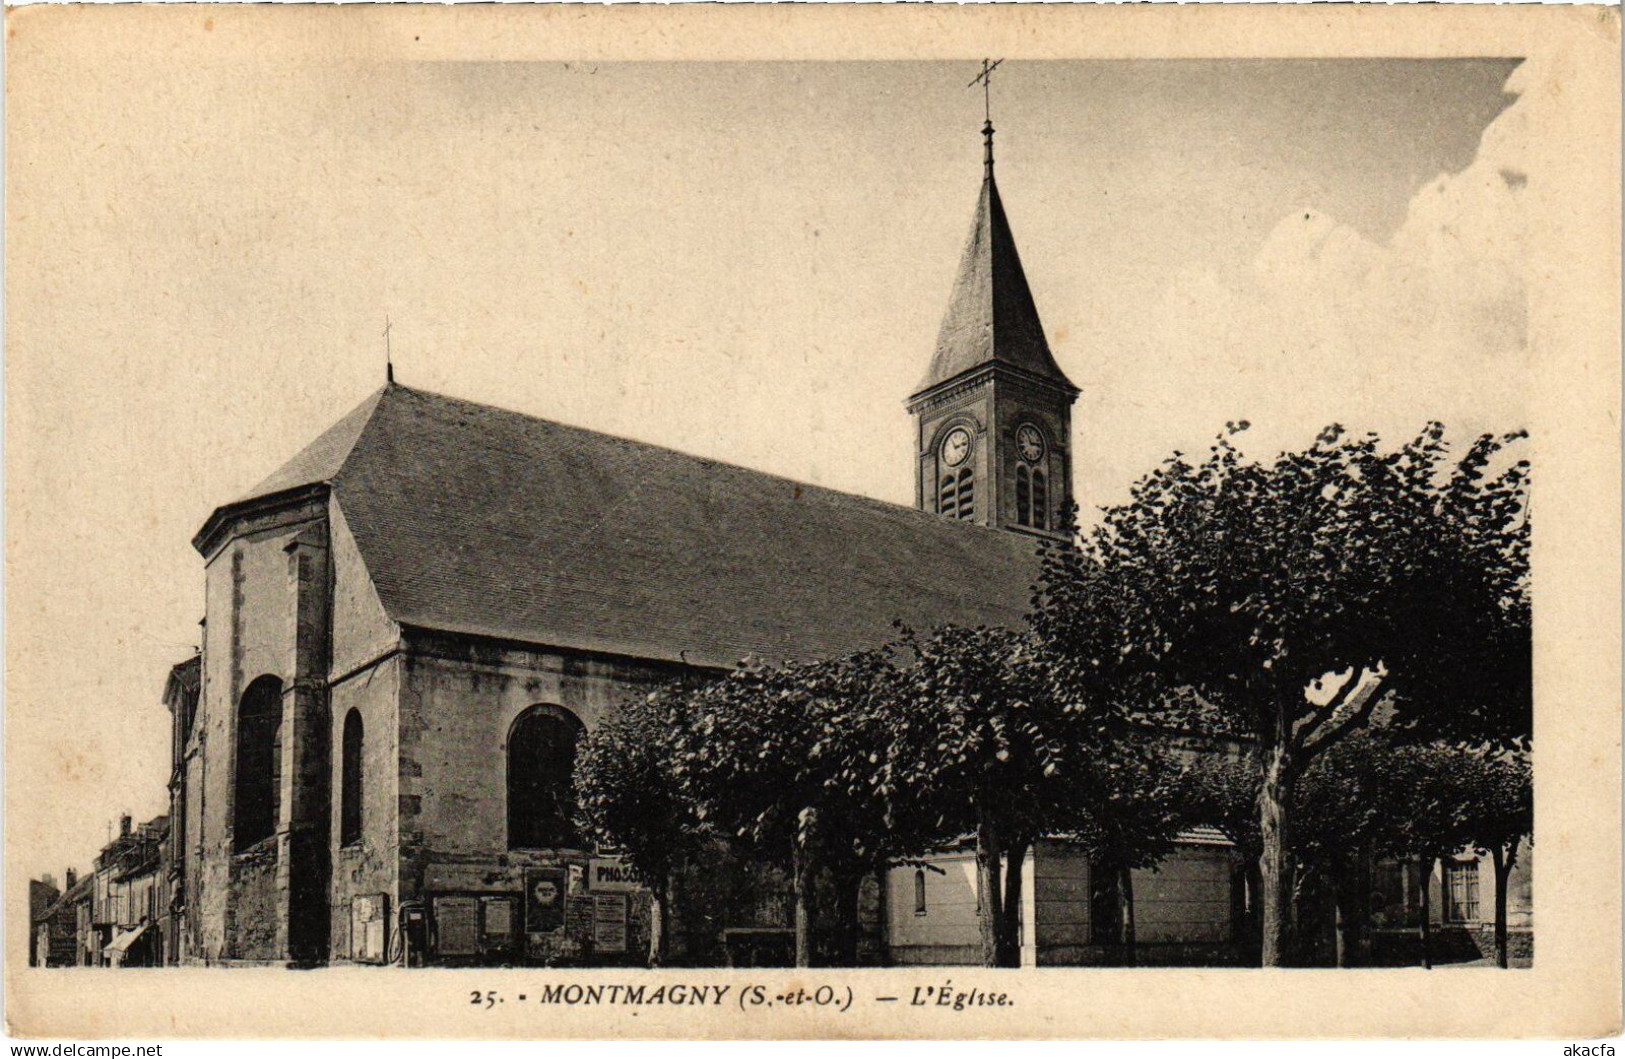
{"x":1288,"y":605}
{"x":1378,"y":797}
{"x":841,"y":768}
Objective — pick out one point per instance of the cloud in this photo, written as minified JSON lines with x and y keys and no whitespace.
{"x":1326,"y":325}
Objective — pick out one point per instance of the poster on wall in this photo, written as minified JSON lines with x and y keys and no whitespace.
{"x":544,"y":900}
{"x":609,"y":923}
{"x":609,"y":875}
{"x":455,"y":926}
{"x":369,"y":916}
{"x":496,"y":923}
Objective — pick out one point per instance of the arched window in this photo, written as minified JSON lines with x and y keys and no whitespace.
{"x":919,"y":891}
{"x":1040,"y":501}
{"x":258,"y":785}
{"x":541,"y":779}
{"x":966,"y":500}
{"x":350,"y":781}
{"x":1024,"y":496}
{"x":947,"y":497}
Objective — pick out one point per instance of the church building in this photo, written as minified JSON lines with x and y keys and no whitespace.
{"x":411,"y":623}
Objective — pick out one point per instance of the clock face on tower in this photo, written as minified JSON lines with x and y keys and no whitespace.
{"x":956,"y":446}
{"x":1030,"y":443}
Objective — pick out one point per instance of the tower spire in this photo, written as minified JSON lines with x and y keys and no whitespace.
{"x":993,"y":415}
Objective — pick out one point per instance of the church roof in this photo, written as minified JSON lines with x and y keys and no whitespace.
{"x":991,"y":315}
{"x":477,"y":520}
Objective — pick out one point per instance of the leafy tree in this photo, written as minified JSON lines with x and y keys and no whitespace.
{"x":984,"y":745}
{"x":1337,"y":807}
{"x":1498,"y":815}
{"x":1294,"y":596}
{"x":977,"y":733}
{"x":1426,"y":816}
{"x":1130,"y":806}
{"x":1342,"y":808}
{"x":783,"y":759}
{"x":1221,"y":791}
{"x":628,"y":797}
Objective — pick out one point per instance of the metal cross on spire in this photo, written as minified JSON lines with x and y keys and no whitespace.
{"x":985,"y":79}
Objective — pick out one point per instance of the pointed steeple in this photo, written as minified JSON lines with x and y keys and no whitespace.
{"x":993,"y":415}
{"x":991,"y":316}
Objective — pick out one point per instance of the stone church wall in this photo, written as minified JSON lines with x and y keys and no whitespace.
{"x":251,"y":631}
{"x":458,"y":702}
{"x":255,"y":931}
{"x":366,"y":674}
{"x":366,"y":869}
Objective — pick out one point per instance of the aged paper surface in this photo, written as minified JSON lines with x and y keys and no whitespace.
{"x":77,"y":220}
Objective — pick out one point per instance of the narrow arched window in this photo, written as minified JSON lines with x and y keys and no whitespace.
{"x":350,"y":781}
{"x":966,"y":499}
{"x":1040,"y":501}
{"x":1024,"y":496}
{"x":947,"y":497}
{"x":257,"y":785}
{"x":919,"y":891}
{"x":541,"y":779}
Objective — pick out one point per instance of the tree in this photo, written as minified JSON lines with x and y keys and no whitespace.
{"x":977,"y":732}
{"x":1498,"y":815}
{"x":783,"y":759}
{"x":1295,"y":596}
{"x":1129,"y":805}
{"x":1221,"y":790}
{"x":1342,"y":807}
{"x":1426,"y":816}
{"x":628,"y":796}
{"x":984,"y":745}
{"x":1337,"y":807}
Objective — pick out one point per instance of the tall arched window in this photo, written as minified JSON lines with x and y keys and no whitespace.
{"x":541,"y":779}
{"x":258,"y":782}
{"x":350,"y":781}
{"x":966,"y":500}
{"x":948,"y":497}
{"x":1040,"y":501}
{"x":919,"y":891}
{"x":1024,"y":496}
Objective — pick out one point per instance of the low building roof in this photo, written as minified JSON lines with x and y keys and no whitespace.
{"x":481,"y":521}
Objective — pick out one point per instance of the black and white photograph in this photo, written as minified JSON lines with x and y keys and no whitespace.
{"x":646,"y":525}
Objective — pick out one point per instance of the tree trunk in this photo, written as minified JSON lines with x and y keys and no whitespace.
{"x":1255,"y":918}
{"x":1427,"y":913}
{"x":987,"y":879}
{"x":884,"y":915}
{"x":804,"y":871}
{"x":1010,"y":917}
{"x":1351,"y":886}
{"x":1503,"y":872}
{"x":659,"y":913}
{"x":1125,"y":890}
{"x":848,"y":892}
{"x":1275,"y":865}
{"x":1344,"y":958}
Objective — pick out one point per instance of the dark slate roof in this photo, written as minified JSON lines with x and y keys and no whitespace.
{"x":476,"y":520}
{"x":82,"y":890}
{"x":991,"y":316}
{"x":321,"y":459}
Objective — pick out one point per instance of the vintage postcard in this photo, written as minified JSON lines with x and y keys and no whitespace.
{"x":812,"y":521}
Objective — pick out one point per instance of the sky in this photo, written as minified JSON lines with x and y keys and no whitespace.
{"x":747,"y":261}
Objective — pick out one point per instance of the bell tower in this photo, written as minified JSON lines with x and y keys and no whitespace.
{"x":993,"y":415}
